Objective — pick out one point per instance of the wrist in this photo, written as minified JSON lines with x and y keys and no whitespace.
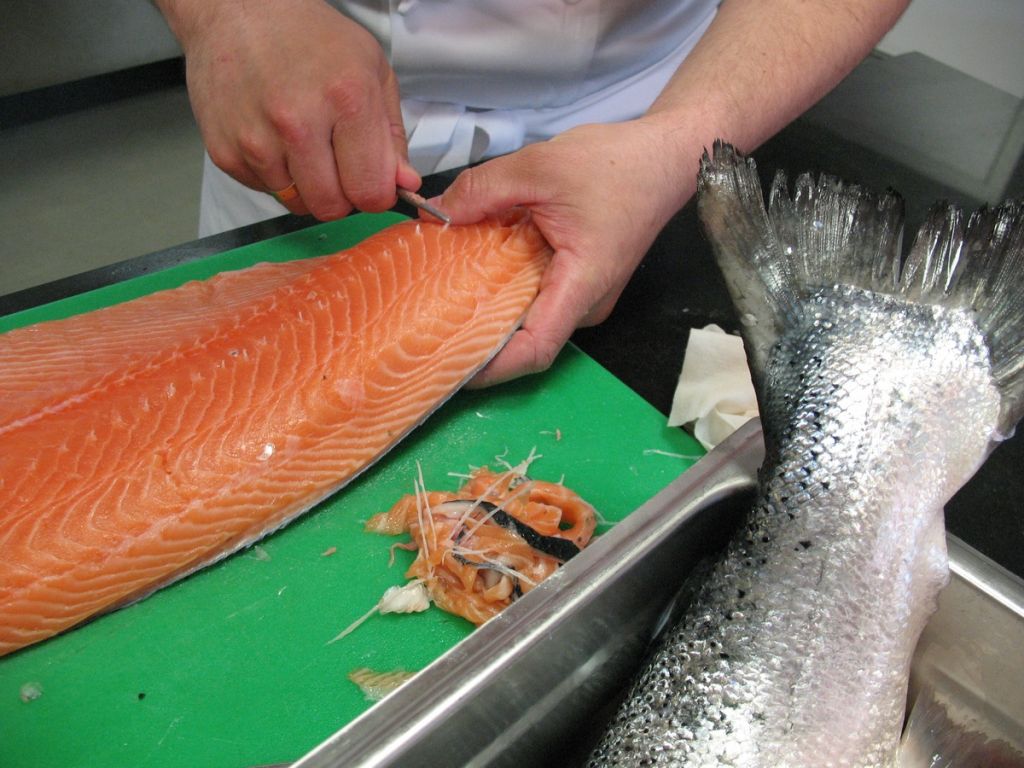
{"x":674,"y":147}
{"x":188,"y":19}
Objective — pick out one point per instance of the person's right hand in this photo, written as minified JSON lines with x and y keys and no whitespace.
{"x":295,"y":92}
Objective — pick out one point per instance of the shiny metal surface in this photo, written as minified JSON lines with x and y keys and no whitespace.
{"x":518,"y":689}
{"x":970,"y":658}
{"x":420,"y":202}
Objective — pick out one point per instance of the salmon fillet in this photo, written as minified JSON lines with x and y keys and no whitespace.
{"x":141,"y":442}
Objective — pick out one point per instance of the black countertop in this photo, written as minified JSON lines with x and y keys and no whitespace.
{"x":677,"y":287}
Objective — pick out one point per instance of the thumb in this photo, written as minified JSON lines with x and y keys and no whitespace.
{"x":488,"y":189}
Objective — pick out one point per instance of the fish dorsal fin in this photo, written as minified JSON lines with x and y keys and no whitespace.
{"x":829,"y":233}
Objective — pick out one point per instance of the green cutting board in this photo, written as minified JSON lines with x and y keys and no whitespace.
{"x":232,"y":667}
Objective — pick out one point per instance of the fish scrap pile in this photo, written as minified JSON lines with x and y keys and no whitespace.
{"x":883,"y":383}
{"x":490,"y":542}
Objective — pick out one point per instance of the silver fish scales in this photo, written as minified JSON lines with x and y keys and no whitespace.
{"x":883,"y":383}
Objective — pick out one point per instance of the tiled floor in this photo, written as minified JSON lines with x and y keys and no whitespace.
{"x":97,"y":186}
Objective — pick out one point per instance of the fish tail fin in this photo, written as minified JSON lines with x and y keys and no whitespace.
{"x":826,"y":233}
{"x":731,"y":209}
{"x":829,"y":233}
{"x":978,"y":265}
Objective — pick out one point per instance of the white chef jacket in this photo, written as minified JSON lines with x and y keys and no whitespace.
{"x":480,"y":78}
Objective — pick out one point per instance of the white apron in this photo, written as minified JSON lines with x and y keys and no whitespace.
{"x":480,"y":78}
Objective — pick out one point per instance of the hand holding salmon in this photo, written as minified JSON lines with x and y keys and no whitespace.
{"x":146,"y":440}
{"x":883,"y":383}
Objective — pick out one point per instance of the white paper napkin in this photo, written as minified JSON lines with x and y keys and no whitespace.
{"x":714,"y":394}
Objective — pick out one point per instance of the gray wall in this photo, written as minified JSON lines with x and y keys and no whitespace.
{"x":45,"y":42}
{"x":981,"y":38}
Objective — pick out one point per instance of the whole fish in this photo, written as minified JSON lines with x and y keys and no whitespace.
{"x":883,"y":383}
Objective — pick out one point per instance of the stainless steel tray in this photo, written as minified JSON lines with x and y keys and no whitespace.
{"x":530,"y":686}
{"x":966,"y":696}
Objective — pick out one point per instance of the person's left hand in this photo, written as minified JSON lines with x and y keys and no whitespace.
{"x":600,"y":194}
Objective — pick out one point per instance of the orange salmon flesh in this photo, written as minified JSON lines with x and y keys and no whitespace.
{"x":141,"y":442}
{"x":471,"y":565}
